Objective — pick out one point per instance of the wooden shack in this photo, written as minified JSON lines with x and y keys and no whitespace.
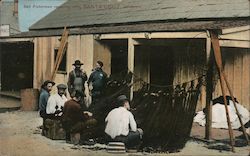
{"x":161,"y":42}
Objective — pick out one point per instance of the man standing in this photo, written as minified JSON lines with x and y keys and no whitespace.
{"x":76,"y":121}
{"x":77,"y":79}
{"x":44,"y":96}
{"x":97,"y":81}
{"x":56,"y":102}
{"x":118,"y":122}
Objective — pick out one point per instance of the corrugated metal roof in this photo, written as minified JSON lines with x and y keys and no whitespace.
{"x":76,"y":13}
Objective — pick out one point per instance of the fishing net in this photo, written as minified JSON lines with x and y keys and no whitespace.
{"x":165,"y":113}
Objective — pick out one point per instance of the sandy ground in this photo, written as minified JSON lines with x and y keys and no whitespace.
{"x":19,"y":136}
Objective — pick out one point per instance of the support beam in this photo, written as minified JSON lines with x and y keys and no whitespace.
{"x":218,"y":60}
{"x":234,"y":43}
{"x":235,"y":29}
{"x":209,"y":90}
{"x":131,"y":58}
{"x":147,"y":35}
{"x":16,"y":39}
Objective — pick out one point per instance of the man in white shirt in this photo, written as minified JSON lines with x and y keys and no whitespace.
{"x":121,"y":125}
{"x":56,"y":102}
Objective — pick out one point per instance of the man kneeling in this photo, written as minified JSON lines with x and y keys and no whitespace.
{"x":77,"y":124}
{"x":118,"y":122}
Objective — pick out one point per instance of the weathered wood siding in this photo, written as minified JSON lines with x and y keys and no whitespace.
{"x":190,"y":63}
{"x":237,"y":69}
{"x":102,"y":52}
{"x":44,"y":57}
{"x":142,"y":66}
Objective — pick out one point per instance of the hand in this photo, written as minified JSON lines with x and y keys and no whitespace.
{"x":88,"y":113}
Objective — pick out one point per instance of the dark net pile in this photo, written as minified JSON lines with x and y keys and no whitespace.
{"x":164,"y":113}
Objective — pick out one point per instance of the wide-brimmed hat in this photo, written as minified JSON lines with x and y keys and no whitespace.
{"x":122,"y":98}
{"x":45,"y":83}
{"x":61,"y":86}
{"x":77,"y":62}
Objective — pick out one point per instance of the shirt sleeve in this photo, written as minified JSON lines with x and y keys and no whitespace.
{"x":90,"y":78}
{"x":43,"y":101}
{"x":132,"y":122}
{"x":50,"y":109}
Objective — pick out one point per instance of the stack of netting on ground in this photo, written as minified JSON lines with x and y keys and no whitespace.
{"x":117,"y":84}
{"x":166,"y":114}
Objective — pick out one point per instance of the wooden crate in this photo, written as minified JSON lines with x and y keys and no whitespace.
{"x":54,"y":130}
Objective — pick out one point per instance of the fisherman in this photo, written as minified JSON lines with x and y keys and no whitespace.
{"x":97,"y":82}
{"x":75,"y":120}
{"x":56,"y":102}
{"x":43,"y":100}
{"x":76,"y":81}
{"x":121,"y":125}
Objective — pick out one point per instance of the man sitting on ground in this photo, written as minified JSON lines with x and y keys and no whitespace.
{"x":118,"y":122}
{"x":76,"y":121}
{"x":56,"y":102}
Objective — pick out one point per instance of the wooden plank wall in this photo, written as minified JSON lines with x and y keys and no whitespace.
{"x":142,"y":65}
{"x":102,"y":52}
{"x":79,"y":47}
{"x":190,"y":61}
{"x":43,"y":58}
{"x":237,"y":68}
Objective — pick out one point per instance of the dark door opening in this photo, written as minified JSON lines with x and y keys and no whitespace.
{"x":119,"y":55}
{"x":17,"y":66}
{"x":119,"y":59}
{"x":161,"y":65}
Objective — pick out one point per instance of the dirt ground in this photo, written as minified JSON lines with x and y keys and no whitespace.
{"x":19,"y":136}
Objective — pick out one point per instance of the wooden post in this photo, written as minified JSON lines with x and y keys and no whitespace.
{"x":217,"y":54}
{"x":131,"y":59}
{"x":237,"y":112}
{"x":209,"y":91}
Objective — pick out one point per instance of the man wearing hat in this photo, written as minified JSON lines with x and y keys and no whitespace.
{"x":44,"y":96}
{"x":77,"y":79}
{"x":97,"y":81}
{"x":56,"y":102}
{"x":121,"y":125}
{"x":43,"y":100}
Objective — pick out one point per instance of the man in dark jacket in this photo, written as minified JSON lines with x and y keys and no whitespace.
{"x":75,"y":120}
{"x":97,"y":82}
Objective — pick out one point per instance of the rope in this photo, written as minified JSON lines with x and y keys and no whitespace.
{"x":165,"y":86}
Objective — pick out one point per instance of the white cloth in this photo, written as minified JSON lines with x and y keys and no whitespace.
{"x":118,"y":122}
{"x":53,"y":101}
{"x":219,"y":119}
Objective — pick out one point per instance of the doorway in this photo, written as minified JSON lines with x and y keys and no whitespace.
{"x":17,"y":61}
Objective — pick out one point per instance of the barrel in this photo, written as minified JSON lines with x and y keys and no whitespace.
{"x":29,"y":99}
